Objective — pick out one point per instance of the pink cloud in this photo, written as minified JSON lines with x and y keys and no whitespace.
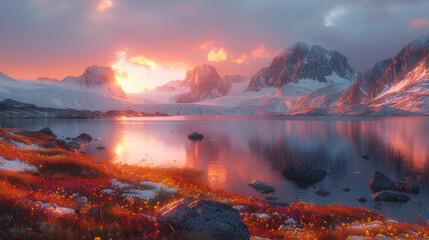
{"x":419,"y":23}
{"x":261,"y":52}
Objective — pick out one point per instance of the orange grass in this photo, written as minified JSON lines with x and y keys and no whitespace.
{"x":62,"y":173}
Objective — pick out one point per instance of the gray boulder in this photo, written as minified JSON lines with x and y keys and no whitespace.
{"x":362,"y":199}
{"x":209,"y":218}
{"x":390,"y":196}
{"x":262,"y":186}
{"x":196,"y":136}
{"x":303,"y":175}
{"x":48,"y":131}
{"x":79,"y":142}
{"x":380,"y":182}
{"x":322,"y":192}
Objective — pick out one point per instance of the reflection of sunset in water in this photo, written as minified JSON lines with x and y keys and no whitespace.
{"x":237,"y":150}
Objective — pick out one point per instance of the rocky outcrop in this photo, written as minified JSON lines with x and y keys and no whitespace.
{"x":303,"y":61}
{"x":213,"y":220}
{"x":14,"y":109}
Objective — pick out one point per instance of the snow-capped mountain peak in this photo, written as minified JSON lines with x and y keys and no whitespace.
{"x":303,"y":61}
{"x":4,"y":77}
{"x":205,"y":83}
{"x":98,"y":77}
{"x":387,"y":73}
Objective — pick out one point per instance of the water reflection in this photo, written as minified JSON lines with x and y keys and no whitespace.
{"x":237,"y":150}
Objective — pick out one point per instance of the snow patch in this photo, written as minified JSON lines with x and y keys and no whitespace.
{"x":16,"y":166}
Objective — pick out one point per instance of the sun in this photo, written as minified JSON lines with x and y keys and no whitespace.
{"x":139,"y":73}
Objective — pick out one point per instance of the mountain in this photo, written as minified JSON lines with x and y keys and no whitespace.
{"x":47,"y":79}
{"x":6,"y":78}
{"x":96,"y":89}
{"x":98,"y":77}
{"x":205,"y":83}
{"x":401,"y":82}
{"x":303,"y":61}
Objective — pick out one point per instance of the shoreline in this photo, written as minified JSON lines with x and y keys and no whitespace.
{"x":82,"y":196}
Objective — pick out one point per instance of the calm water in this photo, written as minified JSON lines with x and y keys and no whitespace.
{"x":237,"y":150}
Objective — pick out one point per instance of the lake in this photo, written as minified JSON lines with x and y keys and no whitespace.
{"x":237,"y":150}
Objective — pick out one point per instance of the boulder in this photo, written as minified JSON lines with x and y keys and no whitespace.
{"x":390,"y":196}
{"x":196,"y":136}
{"x":380,"y":182}
{"x":48,"y":131}
{"x":362,"y":199}
{"x":86,"y":137}
{"x":303,"y":175}
{"x":262,"y":186}
{"x":407,"y":187}
{"x":79,"y":142}
{"x":209,"y":218}
{"x":346,"y":189}
{"x":366,"y":156}
{"x":322,"y":192}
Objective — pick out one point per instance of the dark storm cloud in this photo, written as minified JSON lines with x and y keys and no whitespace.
{"x":60,"y":37}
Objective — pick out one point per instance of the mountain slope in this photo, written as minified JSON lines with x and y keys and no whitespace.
{"x":6,"y":78}
{"x":303,"y":61}
{"x":98,"y":77}
{"x":389,"y":73}
{"x":205,"y":83}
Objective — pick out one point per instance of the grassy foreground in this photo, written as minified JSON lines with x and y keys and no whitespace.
{"x":51,"y":193}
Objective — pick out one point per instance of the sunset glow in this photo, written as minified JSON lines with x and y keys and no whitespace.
{"x":139,"y":73}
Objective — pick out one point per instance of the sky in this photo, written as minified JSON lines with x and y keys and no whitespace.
{"x":154,"y":41}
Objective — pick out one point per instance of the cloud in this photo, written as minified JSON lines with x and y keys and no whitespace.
{"x":334,"y":15}
{"x":104,"y":4}
{"x":218,"y":55}
{"x":242,"y":59}
{"x":143,"y":62}
{"x":138,"y":73}
{"x":419,"y":23}
{"x":261,"y":52}
{"x":67,"y":36}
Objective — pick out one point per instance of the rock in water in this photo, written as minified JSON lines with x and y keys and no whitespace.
{"x":390,"y":196}
{"x":48,"y":131}
{"x":322,"y":192}
{"x":366,"y":156}
{"x":362,"y":199}
{"x":262,"y":186}
{"x":303,"y":175}
{"x":346,"y":189}
{"x":209,"y":218}
{"x":196,"y":136}
{"x":408,"y":187}
{"x":79,"y":142}
{"x":380,"y":182}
